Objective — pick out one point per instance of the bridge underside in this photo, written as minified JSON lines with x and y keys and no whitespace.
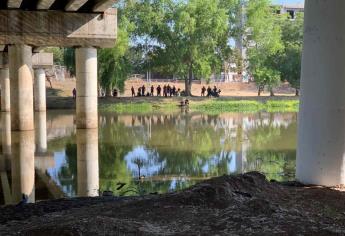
{"x":27,"y":26}
{"x":58,"y":5}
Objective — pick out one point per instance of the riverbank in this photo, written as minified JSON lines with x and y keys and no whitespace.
{"x":210,"y":105}
{"x":229,"y":205}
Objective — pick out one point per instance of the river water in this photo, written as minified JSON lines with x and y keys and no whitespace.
{"x":133,"y":154}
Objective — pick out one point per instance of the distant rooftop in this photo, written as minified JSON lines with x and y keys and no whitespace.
{"x":292,"y":6}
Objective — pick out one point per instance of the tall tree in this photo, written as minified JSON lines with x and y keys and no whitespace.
{"x":69,"y":60}
{"x":290,"y":58}
{"x":265,"y":42}
{"x":114,"y":63}
{"x":190,"y":37}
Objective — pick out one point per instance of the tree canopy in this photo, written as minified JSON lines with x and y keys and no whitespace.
{"x":275,"y":45}
{"x":190,"y":38}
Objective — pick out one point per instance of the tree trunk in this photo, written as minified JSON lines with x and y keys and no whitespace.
{"x":188,"y":82}
{"x":99,"y":90}
{"x":297,"y":92}
{"x":259,"y":91}
{"x":109,"y":92}
{"x":271,"y":92}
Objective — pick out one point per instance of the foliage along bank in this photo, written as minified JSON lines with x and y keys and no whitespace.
{"x":209,"y":107}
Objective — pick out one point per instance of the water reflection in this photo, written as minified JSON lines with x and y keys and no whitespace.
{"x":87,"y":162}
{"x":136,"y":153}
{"x":23,"y":165}
{"x":41,"y":132}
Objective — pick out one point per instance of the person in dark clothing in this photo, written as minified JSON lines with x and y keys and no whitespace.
{"x":74,"y":93}
{"x":174,"y":90}
{"x":139,"y":92}
{"x":152,"y":90}
{"x":203,"y":90}
{"x":115,"y":93}
{"x":133,"y":91}
{"x":165,"y":93}
{"x":209,"y":91}
{"x":169,"y":90}
{"x":159,"y":89}
{"x":215,"y":90}
{"x":143,"y":90}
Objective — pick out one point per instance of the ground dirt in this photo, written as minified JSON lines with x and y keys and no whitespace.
{"x":64,"y":88}
{"x":229,"y":205}
{"x":59,"y":93}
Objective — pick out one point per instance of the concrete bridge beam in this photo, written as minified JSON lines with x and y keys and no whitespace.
{"x":86,"y":73}
{"x":21,"y":74}
{"x":321,"y":132}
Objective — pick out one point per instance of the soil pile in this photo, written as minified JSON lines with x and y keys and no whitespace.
{"x":229,"y":205}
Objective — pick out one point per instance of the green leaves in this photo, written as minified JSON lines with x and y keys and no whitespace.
{"x":190,"y":36}
{"x":114,"y":63}
{"x":276,"y":54}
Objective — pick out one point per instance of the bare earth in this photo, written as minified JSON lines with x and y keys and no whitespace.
{"x":236,"y":89}
{"x":229,"y":205}
{"x":60,"y":96}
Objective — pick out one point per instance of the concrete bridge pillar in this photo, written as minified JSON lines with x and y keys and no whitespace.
{"x":41,"y":132}
{"x":40,"y":90}
{"x":23,"y":165}
{"x":87,"y":162}
{"x":6,"y":133}
{"x":321,"y":132}
{"x":86,"y":73}
{"x":5,"y":89}
{"x":21,"y":75}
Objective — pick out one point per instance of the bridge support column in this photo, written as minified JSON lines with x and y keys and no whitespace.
{"x":5,"y":89}
{"x":87,"y":162}
{"x":20,"y":65}
{"x":321,"y":132}
{"x":41,"y":132}
{"x":40,"y":90}
{"x":6,"y":134}
{"x":86,"y":73}
{"x":23,"y":165}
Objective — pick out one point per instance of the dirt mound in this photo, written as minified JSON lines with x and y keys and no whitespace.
{"x":228,"y":205}
{"x":226,"y":190}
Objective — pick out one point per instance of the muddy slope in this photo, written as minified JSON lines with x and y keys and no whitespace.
{"x":229,"y":205}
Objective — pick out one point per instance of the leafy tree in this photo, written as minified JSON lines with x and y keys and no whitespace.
{"x":69,"y":60}
{"x":191,"y":37}
{"x":114,"y":65}
{"x":264,"y":44}
{"x":290,"y":58}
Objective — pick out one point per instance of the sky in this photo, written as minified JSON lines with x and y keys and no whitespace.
{"x":287,"y":1}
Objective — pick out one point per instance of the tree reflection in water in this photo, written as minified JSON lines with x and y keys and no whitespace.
{"x":178,"y":150}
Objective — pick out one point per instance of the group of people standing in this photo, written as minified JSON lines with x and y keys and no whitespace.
{"x":215,"y":92}
{"x":165,"y":91}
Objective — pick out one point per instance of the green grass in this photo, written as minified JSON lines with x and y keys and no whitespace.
{"x":282,"y":106}
{"x":227,"y":106}
{"x":208,"y":106}
{"x":139,"y":107}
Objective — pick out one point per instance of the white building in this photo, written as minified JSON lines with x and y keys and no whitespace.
{"x":292,"y":9}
